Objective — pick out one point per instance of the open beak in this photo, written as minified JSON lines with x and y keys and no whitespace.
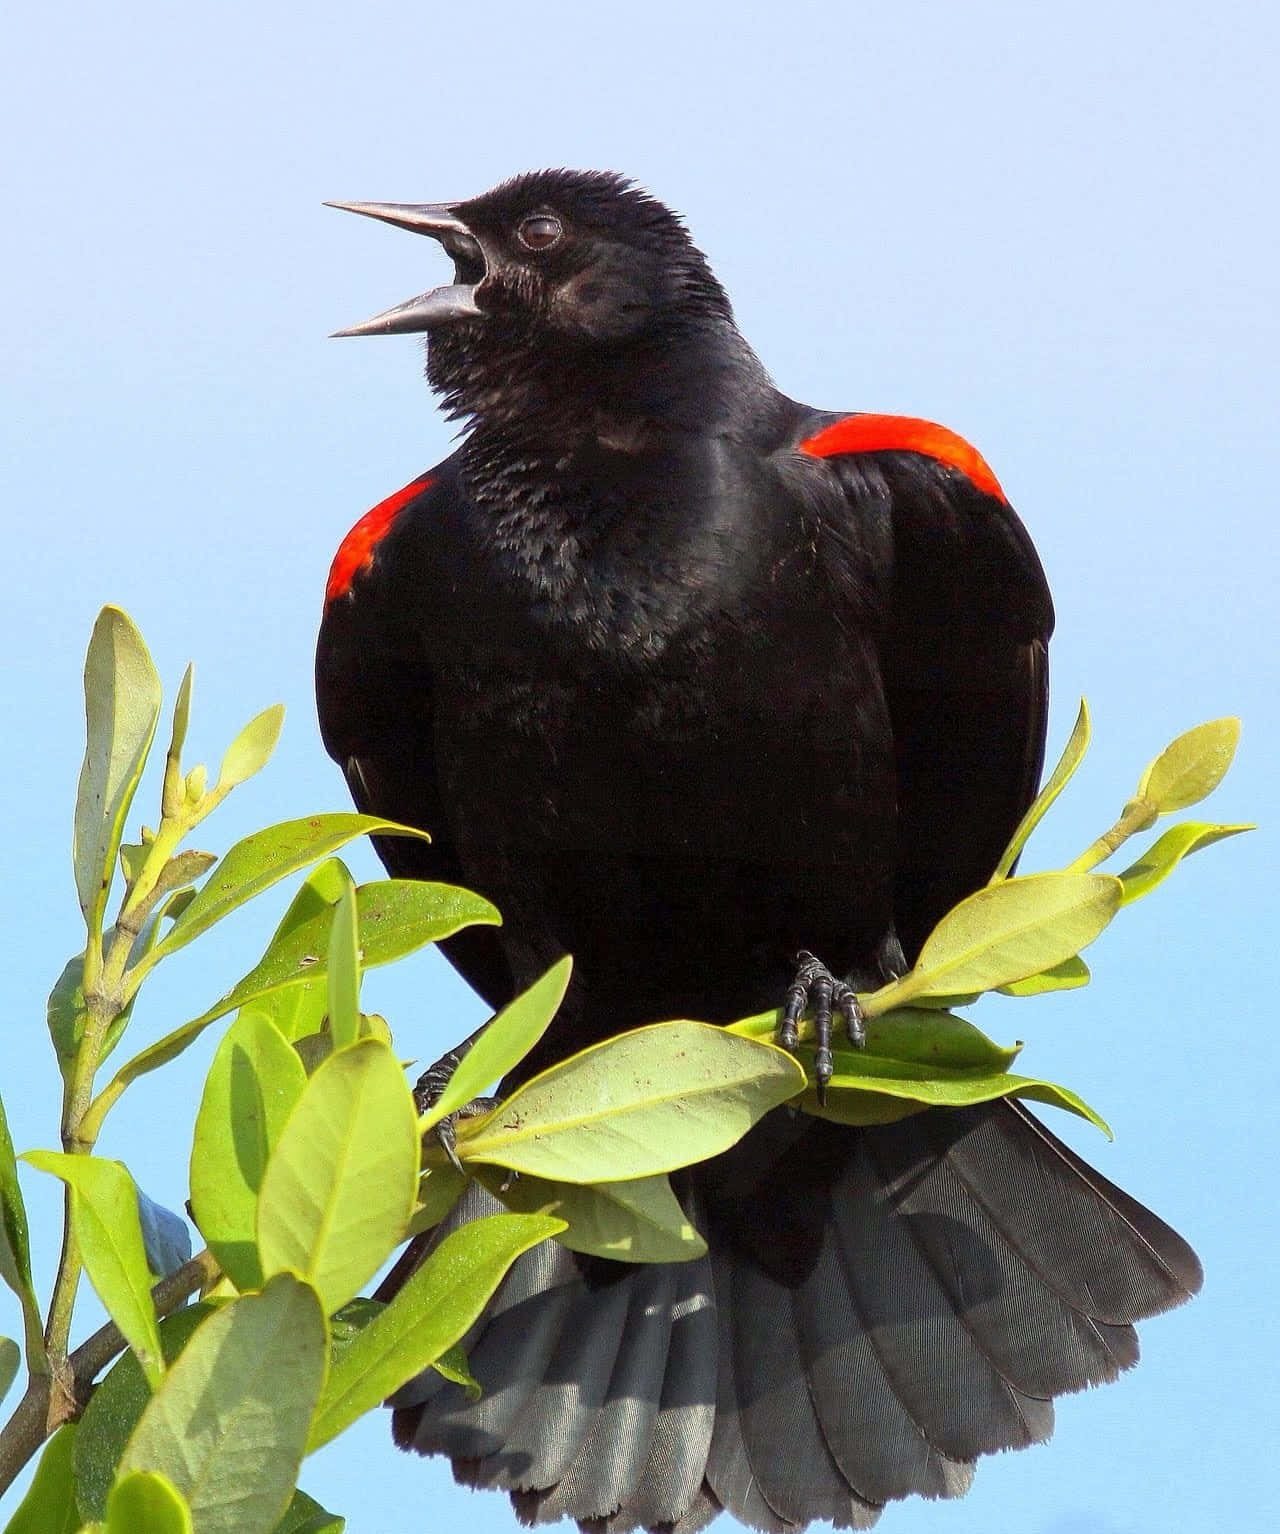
{"x":456,"y":301}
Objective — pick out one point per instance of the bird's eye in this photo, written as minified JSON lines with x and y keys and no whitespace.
{"x":540,"y":231}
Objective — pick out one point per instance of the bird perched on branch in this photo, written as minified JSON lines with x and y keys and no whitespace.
{"x":732,"y":699}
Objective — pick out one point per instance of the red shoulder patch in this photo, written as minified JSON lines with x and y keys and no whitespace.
{"x":904,"y":434}
{"x":356,"y":550}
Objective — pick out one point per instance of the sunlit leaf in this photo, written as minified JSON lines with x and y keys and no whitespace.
{"x":229,"y":1423}
{"x":261,"y":860}
{"x":251,"y":750}
{"x":504,"y":1042}
{"x":438,"y":1192}
{"x":638,"y":1104}
{"x":49,"y":1506}
{"x":146,"y":1502}
{"x":1067,"y":976}
{"x":117,"y":1402}
{"x":452,"y":1365}
{"x":436,"y":1306}
{"x":104,"y":1210}
{"x":65,"y":1011}
{"x":10,"y":1363}
{"x":918,"y":1035}
{"x":1163,"y":856}
{"x":304,"y":1515}
{"x":122,"y":704}
{"x":339,"y":1185}
{"x":344,"y":971}
{"x":637,"y":1221}
{"x":1190,"y":768}
{"x":15,"y":1245}
{"x":1006,"y":932}
{"x":396,"y":917}
{"x":859,"y":1081}
{"x":1073,"y":754}
{"x":253,"y":1084}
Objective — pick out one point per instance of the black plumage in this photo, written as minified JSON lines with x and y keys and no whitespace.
{"x":688,"y":677}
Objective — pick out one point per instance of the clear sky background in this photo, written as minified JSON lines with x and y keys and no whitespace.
{"x":1053,"y":228}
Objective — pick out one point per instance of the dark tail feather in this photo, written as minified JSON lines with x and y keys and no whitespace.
{"x":879,"y":1308}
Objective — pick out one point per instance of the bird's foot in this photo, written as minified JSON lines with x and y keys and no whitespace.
{"x":815,"y":985}
{"x":430,"y":1088}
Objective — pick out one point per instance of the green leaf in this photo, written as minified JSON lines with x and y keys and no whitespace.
{"x":253,"y":1085}
{"x":171,"y":794}
{"x":146,"y":1502}
{"x":436,"y":1306}
{"x":439,"y":1190}
{"x":15,"y":1248}
{"x":504,"y":1042}
{"x":10,"y":1363}
{"x":251,"y":750}
{"x":640,"y":1103}
{"x":1191,"y":767}
{"x":1073,"y":754}
{"x":339,"y":1186}
{"x":636,"y":1221}
{"x":49,"y":1506}
{"x":1067,"y":976}
{"x":65,"y":1012}
{"x":344,"y":971}
{"x":859,"y":1080}
{"x":104,"y":1211}
{"x":1163,"y":856}
{"x":926,"y":1034}
{"x":122,"y":705}
{"x":304,"y":1515}
{"x":452,"y":1366}
{"x":396,"y":916}
{"x":261,"y":860}
{"x":117,"y":1402}
{"x":1007,"y":932}
{"x":229,"y":1423}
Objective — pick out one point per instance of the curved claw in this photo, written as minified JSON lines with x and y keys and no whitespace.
{"x":814,"y":983}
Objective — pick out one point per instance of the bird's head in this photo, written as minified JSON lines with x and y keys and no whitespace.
{"x":567,"y":271}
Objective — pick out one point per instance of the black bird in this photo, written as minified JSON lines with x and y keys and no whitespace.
{"x":689,"y":678}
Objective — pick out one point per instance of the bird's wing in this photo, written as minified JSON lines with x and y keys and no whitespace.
{"x":964,"y":652}
{"x":375,"y":701}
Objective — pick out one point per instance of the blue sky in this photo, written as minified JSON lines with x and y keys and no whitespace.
{"x":1053,"y":229}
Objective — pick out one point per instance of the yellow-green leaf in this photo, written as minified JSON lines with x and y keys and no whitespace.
{"x":436,"y":1306}
{"x":339,"y":1186}
{"x":1191,"y":767}
{"x":636,"y":1221}
{"x":1163,"y":856}
{"x":49,"y":1506}
{"x":146,"y":1502}
{"x":641,"y":1103}
{"x":1007,"y":932}
{"x":229,"y":1423}
{"x":261,"y":860}
{"x":1067,"y":976}
{"x":104,"y":1211}
{"x":251,"y":750}
{"x":344,"y":971}
{"x":10,"y":1363}
{"x":253,"y":1084}
{"x":1073,"y":754}
{"x":505,"y":1041}
{"x":122,"y":705}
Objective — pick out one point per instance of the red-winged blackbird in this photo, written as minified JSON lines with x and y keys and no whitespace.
{"x":687,"y":677}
